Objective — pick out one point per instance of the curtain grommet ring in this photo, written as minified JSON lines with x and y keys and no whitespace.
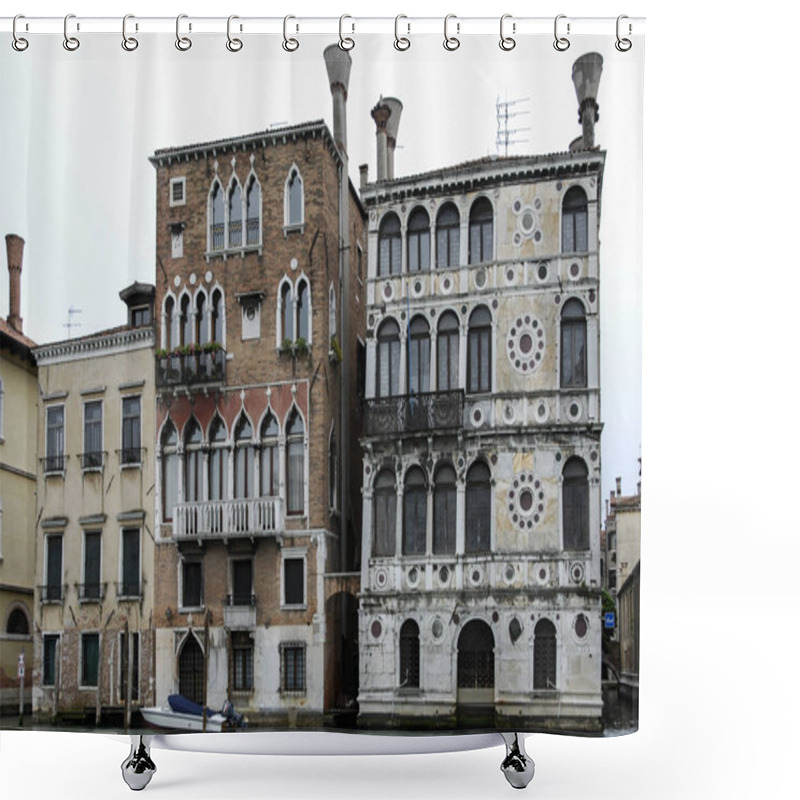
{"x":19,"y":43}
{"x":183,"y":43}
{"x":561,"y":43}
{"x":451,"y":43}
{"x":345,"y":42}
{"x":71,"y":43}
{"x":129,"y":43}
{"x":507,"y":42}
{"x":623,"y":44}
{"x":233,"y":44}
{"x":401,"y":43}
{"x":289,"y":44}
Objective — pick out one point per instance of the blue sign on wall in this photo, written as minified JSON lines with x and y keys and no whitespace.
{"x":609,"y":619}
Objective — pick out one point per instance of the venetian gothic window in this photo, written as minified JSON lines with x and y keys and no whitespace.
{"x":244,"y":459}
{"x":447,"y":346}
{"x":418,"y":240}
{"x":409,"y":654}
{"x":389,"y":246}
{"x":575,"y":504}
{"x":384,"y":521}
{"x":444,"y":510}
{"x":295,"y":464}
{"x":574,"y":221}
{"x":217,"y":461}
{"x":287,"y":312}
{"x":216,"y":233}
{"x":253,"y":212}
{"x":573,"y":345}
{"x":479,"y":351}
{"x":185,"y":332}
{"x":193,"y":463}
{"x":303,"y":327}
{"x":448,"y":236}
{"x":169,"y":314}
{"x":415,"y":512}
{"x":235,"y":215}
{"x":294,"y":200}
{"x":169,"y":470}
{"x":388,"y":361}
{"x":478,"y":507}
{"x":419,"y":356}
{"x":269,"y":457}
{"x":481,"y":230}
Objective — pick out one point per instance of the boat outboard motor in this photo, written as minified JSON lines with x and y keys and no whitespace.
{"x":232,"y":715}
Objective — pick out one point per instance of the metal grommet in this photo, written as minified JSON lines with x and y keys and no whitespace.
{"x":561,"y":43}
{"x":507,"y":42}
{"x":622,"y":44}
{"x":401,"y":42}
{"x":451,"y":42}
{"x":345,"y":42}
{"x":19,"y":43}
{"x":290,"y":44}
{"x":129,"y":43}
{"x":70,"y":42}
{"x":183,"y":43}
{"x":233,"y":44}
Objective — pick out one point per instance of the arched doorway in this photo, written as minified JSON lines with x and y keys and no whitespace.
{"x":341,"y":658}
{"x":190,"y":670}
{"x":475,"y":674}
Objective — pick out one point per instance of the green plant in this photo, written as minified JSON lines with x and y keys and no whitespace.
{"x":211,"y":347}
{"x":161,"y":352}
{"x":286,"y":345}
{"x":336,"y":348}
{"x":301,"y":346}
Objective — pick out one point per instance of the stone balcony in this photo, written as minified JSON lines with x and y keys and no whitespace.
{"x":239,"y":612}
{"x":225,"y":519}
{"x":413,"y":413}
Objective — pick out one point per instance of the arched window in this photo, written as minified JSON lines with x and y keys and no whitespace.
{"x":186,"y":332}
{"x":388,"y":362}
{"x":444,"y":510}
{"x":169,"y":470}
{"x":287,"y":313}
{"x":384,"y":521}
{"x":169,"y":333}
{"x":270,"y":477}
{"x":217,"y":461}
{"x":481,"y":227}
{"x":18,"y":623}
{"x":574,"y":222}
{"x":235,"y":215}
{"x":295,"y":464}
{"x":476,"y":656}
{"x":294,"y":199}
{"x":479,"y":351}
{"x":193,"y":463}
{"x":575,"y":504}
{"x":544,"y":655}
{"x":216,"y":316}
{"x":389,"y":246}
{"x":217,"y":223}
{"x":478,"y":508}
{"x":415,"y":512}
{"x":201,"y":320}
{"x":303,"y":319}
{"x":244,"y":459}
{"x":409,"y":654}
{"x":253,"y":212}
{"x":191,"y":670}
{"x":448,"y":235}
{"x":573,"y":344}
{"x":419,"y":356}
{"x":418,"y":240}
{"x":447,"y":345}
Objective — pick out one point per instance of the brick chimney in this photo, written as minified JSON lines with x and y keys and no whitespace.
{"x":14,"y":247}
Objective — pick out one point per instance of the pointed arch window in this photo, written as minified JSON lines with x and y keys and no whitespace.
{"x":419,"y":356}
{"x":384,"y":521}
{"x":253,"y":212}
{"x":447,"y":346}
{"x":448,"y":236}
{"x":544,"y":655}
{"x":216,"y":331}
{"x":418,"y":239}
{"x":295,"y":464}
{"x":444,"y":510}
{"x":186,"y":337}
{"x":574,"y":221}
{"x":169,"y":333}
{"x":573,"y":344}
{"x":478,"y":507}
{"x":216,"y":232}
{"x":409,"y":654}
{"x":481,"y":231}
{"x":218,"y":461}
{"x":201,"y":319}
{"x":415,"y":512}
{"x":169,"y":470}
{"x":269,"y":457}
{"x":287,"y":313}
{"x":479,"y":351}
{"x":303,"y":315}
{"x":575,"y":504}
{"x":389,"y":246}
{"x":294,"y":201}
{"x":235,"y":215}
{"x":192,"y":463}
{"x":388,"y":361}
{"x":244,"y":459}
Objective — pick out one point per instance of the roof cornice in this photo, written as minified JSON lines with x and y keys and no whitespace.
{"x":95,"y":346}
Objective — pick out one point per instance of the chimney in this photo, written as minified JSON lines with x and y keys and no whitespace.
{"x":338,"y":63}
{"x":395,"y":109}
{"x":363,"y":172}
{"x":586,"y":73}
{"x":14,"y":247}
{"x":619,"y":487}
{"x":381,"y":114}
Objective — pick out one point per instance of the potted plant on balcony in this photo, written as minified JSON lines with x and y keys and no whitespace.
{"x":287,"y":346}
{"x":301,"y":347}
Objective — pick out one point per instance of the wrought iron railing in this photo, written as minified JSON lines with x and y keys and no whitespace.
{"x":92,"y":460}
{"x":54,"y":463}
{"x":191,"y":368}
{"x":130,"y":590}
{"x":218,"y":237}
{"x":224,"y":518}
{"x":410,"y":413}
{"x":235,"y":234}
{"x":129,"y":456}
{"x":88,"y":592}
{"x":240,"y":599}
{"x":52,"y":593}
{"x":253,"y":230}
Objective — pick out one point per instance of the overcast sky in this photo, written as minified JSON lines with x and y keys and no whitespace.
{"x":75,"y":181}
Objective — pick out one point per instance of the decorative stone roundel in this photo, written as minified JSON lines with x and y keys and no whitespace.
{"x":526,"y":501}
{"x":437,"y":628}
{"x":525,"y":344}
{"x":527,"y":221}
{"x":381,"y":579}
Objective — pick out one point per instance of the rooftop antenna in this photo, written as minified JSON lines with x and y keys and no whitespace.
{"x":69,"y":325}
{"x":507,"y":136}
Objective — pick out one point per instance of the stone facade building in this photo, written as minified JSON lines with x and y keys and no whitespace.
{"x":94,"y":530}
{"x":481,"y":584}
{"x":18,"y":398}
{"x":259,"y":246}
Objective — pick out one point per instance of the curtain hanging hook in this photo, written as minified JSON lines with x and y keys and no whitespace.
{"x":623,"y":45}
{"x":183,"y":43}
{"x":401,"y":42}
{"x":233,"y":44}
{"x":451,"y":42}
{"x":345,"y":42}
{"x":19,"y":43}
{"x":70,"y":42}
{"x":561,"y":43}
{"x":290,"y":44}
{"x":129,"y":43}
{"x":507,"y":42}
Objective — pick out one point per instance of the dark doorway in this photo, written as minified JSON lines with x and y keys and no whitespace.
{"x":190,"y":670}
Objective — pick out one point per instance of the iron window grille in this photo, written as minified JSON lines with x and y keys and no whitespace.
{"x":293,"y":667}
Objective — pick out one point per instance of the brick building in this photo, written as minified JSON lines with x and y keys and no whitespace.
{"x":259,"y":248}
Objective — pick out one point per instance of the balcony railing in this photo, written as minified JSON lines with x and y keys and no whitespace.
{"x":129,"y":589}
{"x":224,"y":518}
{"x":411,"y":413}
{"x":52,"y":593}
{"x":217,"y":236}
{"x":91,"y":592}
{"x":190,"y":369}
{"x":91,"y":460}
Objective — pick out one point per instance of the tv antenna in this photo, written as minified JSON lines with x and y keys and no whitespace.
{"x":505,"y":135}
{"x":69,"y":325}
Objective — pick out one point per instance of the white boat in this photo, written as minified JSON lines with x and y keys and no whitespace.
{"x":181,"y":714}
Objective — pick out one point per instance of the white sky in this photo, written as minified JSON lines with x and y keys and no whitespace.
{"x":76,"y":184}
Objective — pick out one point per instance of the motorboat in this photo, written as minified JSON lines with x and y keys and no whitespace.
{"x":182,"y":714}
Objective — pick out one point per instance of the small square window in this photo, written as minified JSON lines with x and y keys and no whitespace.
{"x":177,"y":243}
{"x":293,"y":667}
{"x":177,"y":192}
